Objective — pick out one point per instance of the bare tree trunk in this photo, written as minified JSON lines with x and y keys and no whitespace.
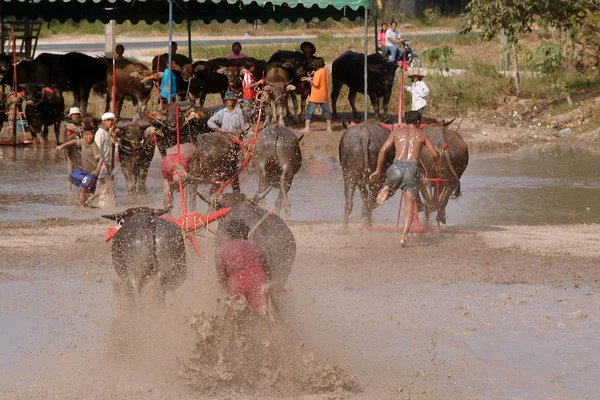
{"x":517,"y":76}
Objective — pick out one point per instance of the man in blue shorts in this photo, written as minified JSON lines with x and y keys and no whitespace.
{"x":403,"y":174}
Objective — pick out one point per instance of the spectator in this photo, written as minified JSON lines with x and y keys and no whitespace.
{"x":381,"y":38}
{"x":249,"y":85}
{"x":72,"y":131}
{"x":318,"y":94}
{"x":308,"y":49}
{"x":168,"y":84}
{"x":120,"y":49}
{"x":393,"y":41}
{"x":237,"y":54}
{"x":420,"y":93}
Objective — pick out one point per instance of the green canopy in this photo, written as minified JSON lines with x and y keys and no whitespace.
{"x":203,"y":10}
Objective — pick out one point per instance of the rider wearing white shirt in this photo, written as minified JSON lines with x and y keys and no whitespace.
{"x":419,"y":91}
{"x":393,"y":41}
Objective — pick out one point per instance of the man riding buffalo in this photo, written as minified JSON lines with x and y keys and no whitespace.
{"x":230,"y":118}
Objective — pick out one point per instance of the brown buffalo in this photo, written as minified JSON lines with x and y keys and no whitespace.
{"x":276,"y":89}
{"x":133,"y":79}
{"x":298,"y":66}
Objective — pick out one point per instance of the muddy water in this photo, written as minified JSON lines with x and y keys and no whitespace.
{"x":539,"y":185}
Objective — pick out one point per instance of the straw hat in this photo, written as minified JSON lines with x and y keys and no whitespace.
{"x":416,"y":72}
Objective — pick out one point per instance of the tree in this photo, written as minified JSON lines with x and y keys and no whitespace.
{"x":511,"y":17}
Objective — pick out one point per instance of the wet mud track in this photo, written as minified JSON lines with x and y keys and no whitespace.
{"x":501,"y":314}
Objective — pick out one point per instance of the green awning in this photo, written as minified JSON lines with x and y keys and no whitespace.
{"x":203,"y":10}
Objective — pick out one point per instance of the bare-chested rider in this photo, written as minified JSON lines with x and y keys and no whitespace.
{"x":403,"y":174}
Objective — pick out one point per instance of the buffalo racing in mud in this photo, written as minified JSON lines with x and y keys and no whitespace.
{"x":204,"y":146}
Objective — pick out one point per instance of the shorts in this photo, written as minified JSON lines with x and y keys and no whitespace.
{"x":403,"y":175}
{"x":248,"y":283}
{"x":312,"y":107}
{"x":421,"y":111}
{"x":83,"y":180}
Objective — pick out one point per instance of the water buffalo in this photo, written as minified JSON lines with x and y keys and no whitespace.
{"x":133,"y":79}
{"x":348,"y":69}
{"x":277,"y":158}
{"x":71,"y":72}
{"x":298,"y":67}
{"x":276,"y":89}
{"x":267,"y":230}
{"x":221,"y":75}
{"x":45,"y":106}
{"x":213,"y":159}
{"x":136,"y":149}
{"x":147,"y":248}
{"x":183,"y":62}
{"x":452,"y":165}
{"x":358,"y":152}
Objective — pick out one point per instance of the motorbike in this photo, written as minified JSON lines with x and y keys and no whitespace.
{"x":412,"y":58}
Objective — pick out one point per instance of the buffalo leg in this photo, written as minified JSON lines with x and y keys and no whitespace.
{"x":352,"y":100}
{"x":335,"y":93}
{"x":190,"y":195}
{"x":366,"y":206}
{"x":349,"y":187}
{"x":428,"y":201}
{"x":129,"y":176}
{"x":261,"y":171}
{"x":303,"y":99}
{"x":280,"y":112}
{"x":447,"y":190}
{"x":142,"y":179}
{"x":295,"y":106}
{"x":168,"y":188}
{"x":57,"y":131}
{"x":284,"y":186}
{"x":235,"y":185}
{"x":374,"y":102}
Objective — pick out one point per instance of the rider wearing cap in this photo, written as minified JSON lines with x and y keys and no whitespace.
{"x":228,"y":119}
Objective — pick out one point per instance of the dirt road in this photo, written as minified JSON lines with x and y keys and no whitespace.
{"x":506,"y":312}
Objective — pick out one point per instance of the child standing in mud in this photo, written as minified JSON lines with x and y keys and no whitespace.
{"x":242,"y":267}
{"x":319,"y":92}
{"x":91,"y":162}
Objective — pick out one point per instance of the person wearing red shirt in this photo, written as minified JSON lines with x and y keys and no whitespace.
{"x":242,"y":267}
{"x":249,"y":86}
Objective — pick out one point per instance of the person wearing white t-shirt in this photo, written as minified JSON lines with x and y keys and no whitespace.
{"x":393,"y":41}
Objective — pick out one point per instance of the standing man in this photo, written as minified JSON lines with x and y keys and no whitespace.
{"x":72,"y":131}
{"x":249,"y":85}
{"x":319,"y":92}
{"x":420,"y":93}
{"x":228,"y":119}
{"x":403,"y":174}
{"x":242,"y":267}
{"x":103,"y":139}
{"x":168,"y":83}
{"x":393,"y":41}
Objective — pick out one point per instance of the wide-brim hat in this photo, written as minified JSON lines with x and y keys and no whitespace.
{"x":416,"y":72}
{"x":312,"y":47}
{"x":229,"y":96}
{"x":74,"y":110}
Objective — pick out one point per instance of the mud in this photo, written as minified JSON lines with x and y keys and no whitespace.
{"x":241,"y":353}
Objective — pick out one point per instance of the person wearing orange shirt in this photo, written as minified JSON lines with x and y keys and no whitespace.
{"x":319,"y":92}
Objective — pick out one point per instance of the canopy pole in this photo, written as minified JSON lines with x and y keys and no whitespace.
{"x":170,"y":50}
{"x":189,"y":37}
{"x":366,"y":96}
{"x":376,"y":33}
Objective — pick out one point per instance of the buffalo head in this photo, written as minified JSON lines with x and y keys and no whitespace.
{"x":35,"y":93}
{"x":234,"y":78}
{"x":122,"y":217}
{"x":227,"y":200}
{"x":134,"y":136}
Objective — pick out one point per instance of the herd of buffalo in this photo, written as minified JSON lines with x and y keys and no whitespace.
{"x":276,"y":155}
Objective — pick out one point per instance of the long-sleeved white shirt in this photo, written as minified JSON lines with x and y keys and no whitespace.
{"x":420,"y":94}
{"x":102,"y":139}
{"x":227,"y":121}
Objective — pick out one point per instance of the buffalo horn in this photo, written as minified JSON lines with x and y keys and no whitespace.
{"x":262,"y":195}
{"x":209,"y":200}
{"x":113,"y":217}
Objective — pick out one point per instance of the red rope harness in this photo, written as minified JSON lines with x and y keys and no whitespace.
{"x":250,"y":149}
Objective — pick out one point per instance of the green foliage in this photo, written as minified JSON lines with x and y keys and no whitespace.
{"x":438,"y":57}
{"x":431,"y":16}
{"x":551,"y":62}
{"x":513,"y":17}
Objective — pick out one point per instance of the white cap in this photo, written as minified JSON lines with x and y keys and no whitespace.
{"x":74,"y":110}
{"x":107,"y":116}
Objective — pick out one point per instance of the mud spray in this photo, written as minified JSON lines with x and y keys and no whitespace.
{"x":238,"y":352}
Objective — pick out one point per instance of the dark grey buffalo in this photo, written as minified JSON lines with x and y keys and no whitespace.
{"x":147,"y":248}
{"x":452,"y":165}
{"x":277,"y":158}
{"x":136,"y":149}
{"x":267,"y":230}
{"x":45,"y":107}
{"x":358,"y":151}
{"x":348,"y":69}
